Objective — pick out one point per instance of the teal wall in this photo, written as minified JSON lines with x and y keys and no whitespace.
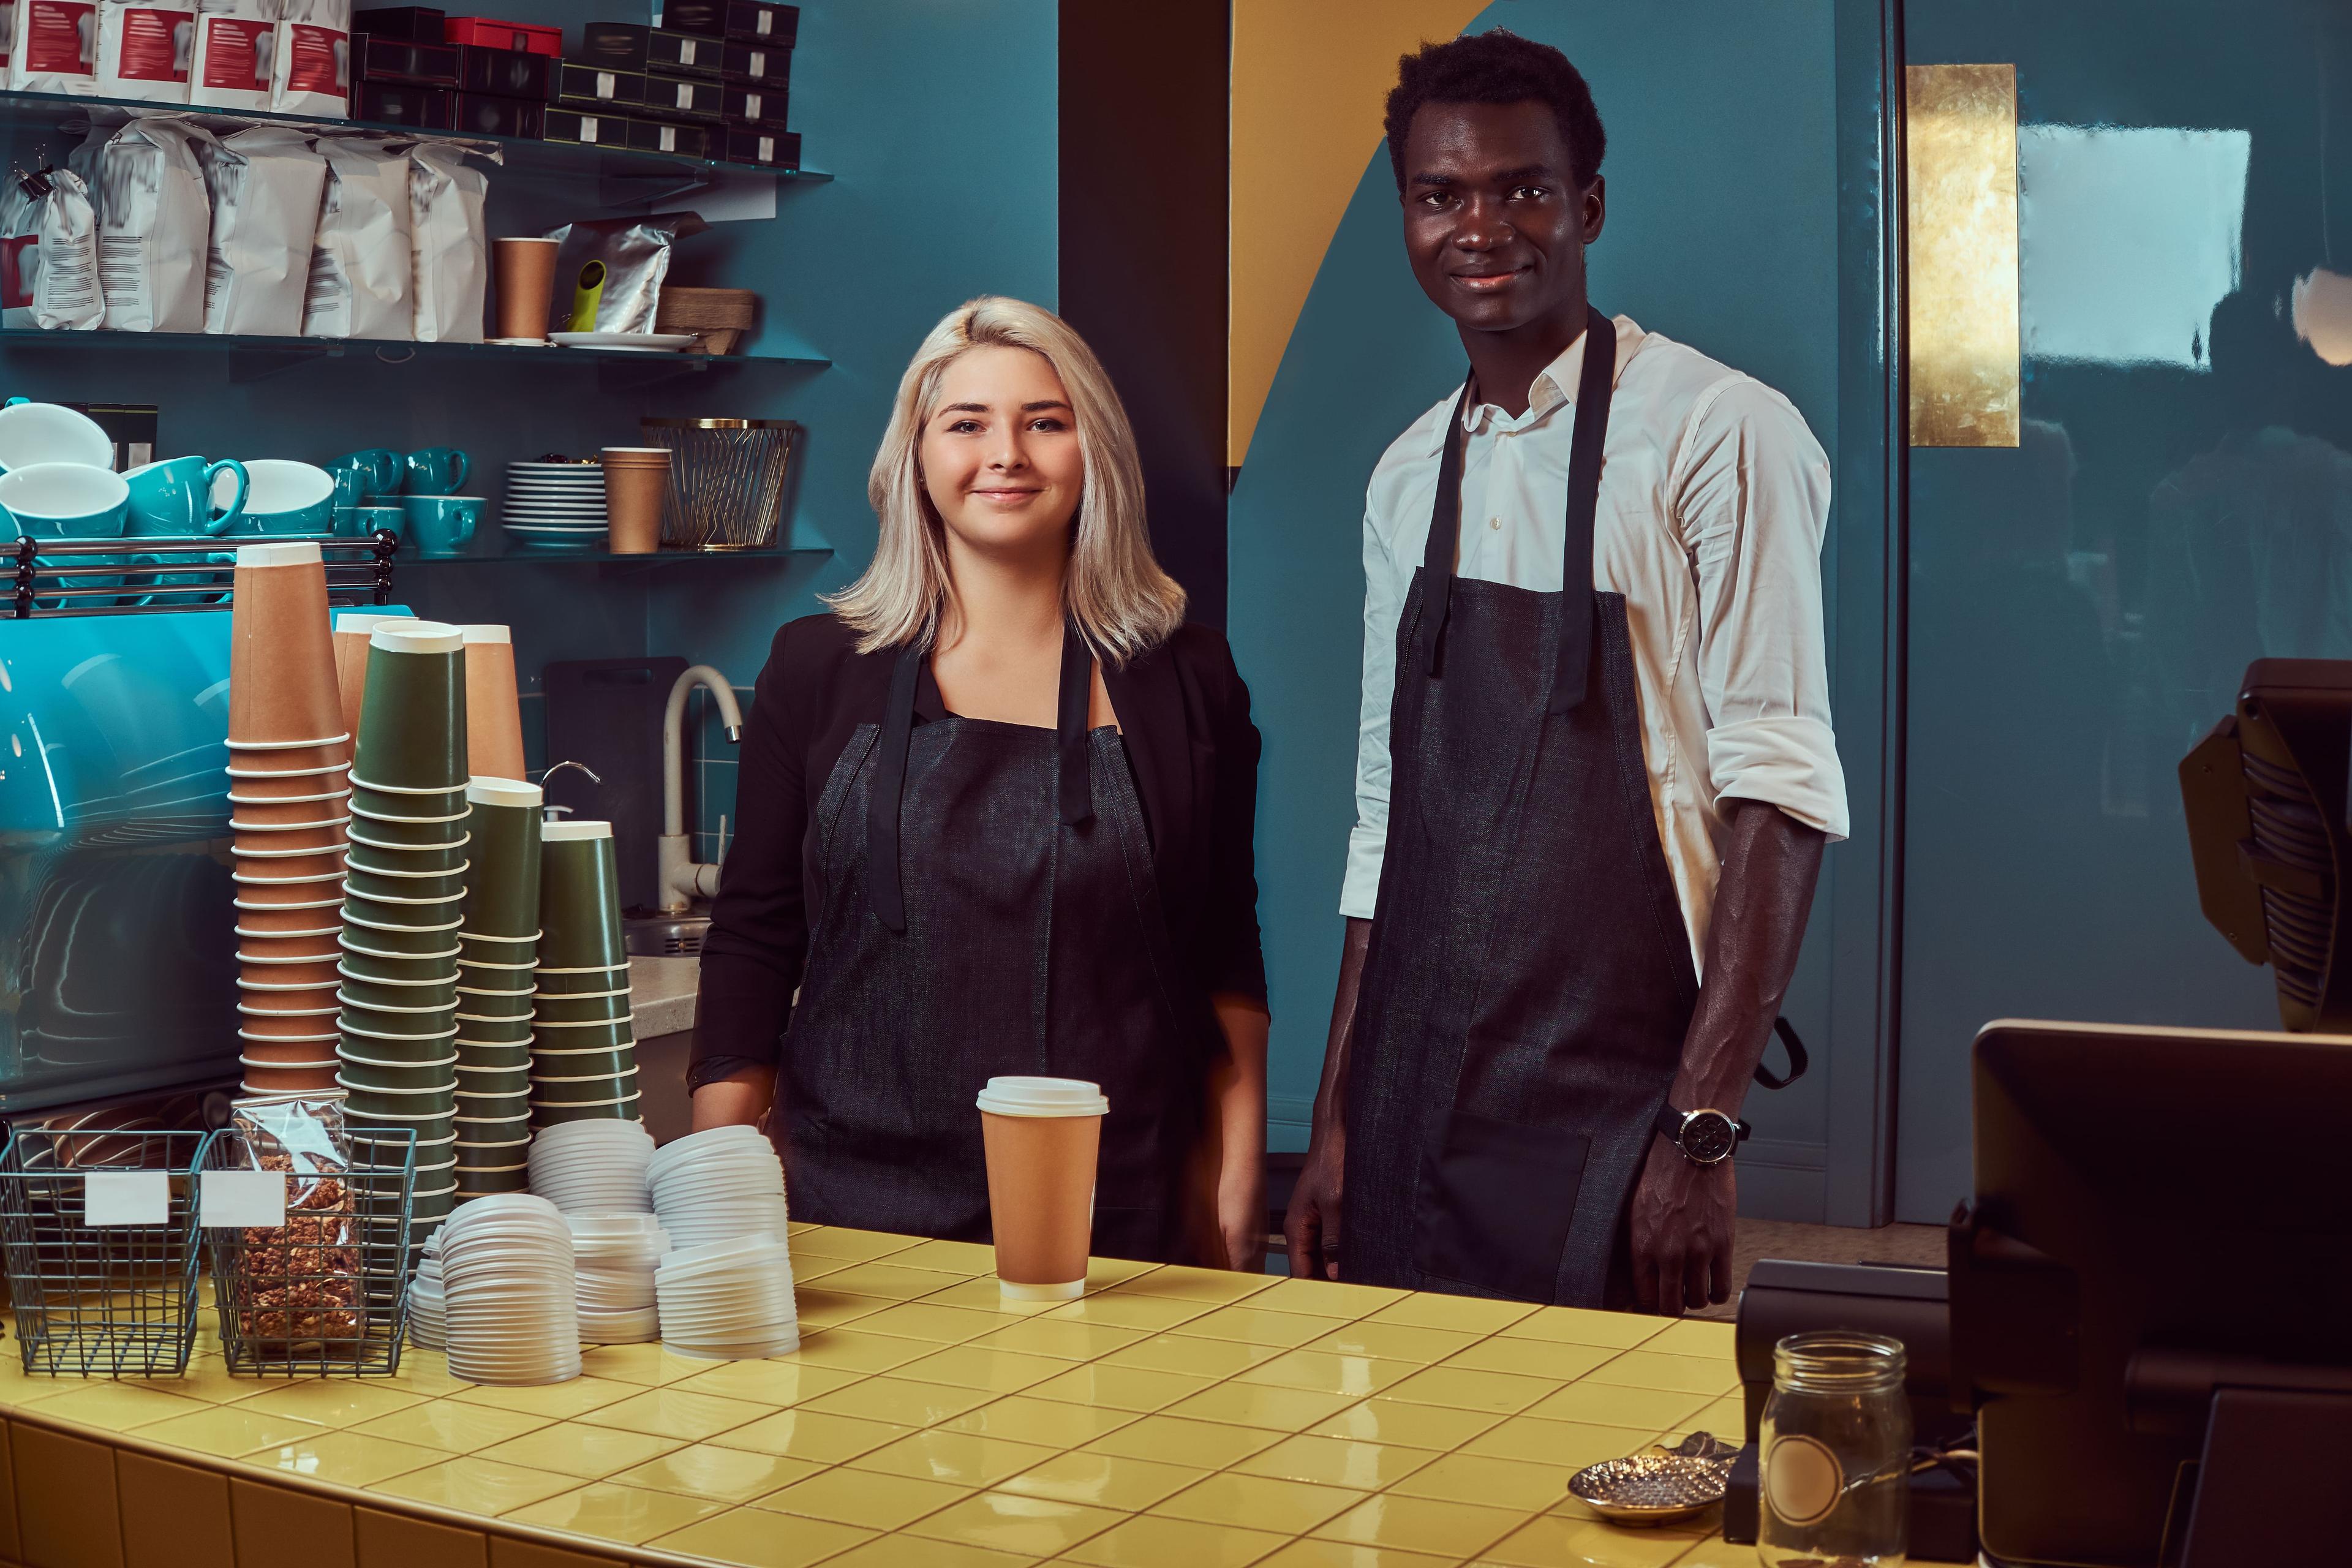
{"x":1723,"y":232}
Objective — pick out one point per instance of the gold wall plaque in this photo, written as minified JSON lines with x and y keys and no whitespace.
{"x":1960,"y":233}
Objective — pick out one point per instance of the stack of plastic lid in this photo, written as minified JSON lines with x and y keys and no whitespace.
{"x":509,"y":1314}
{"x":426,"y":1301}
{"x":616,"y":1255}
{"x":583,"y":1055}
{"x":594,"y":1167}
{"x":407,"y":875}
{"x":498,"y":952}
{"x":718,"y":1184}
{"x":729,"y":1301}
{"x":289,"y":799}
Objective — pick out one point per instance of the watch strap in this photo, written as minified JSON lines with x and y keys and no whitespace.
{"x":1670,"y":1126}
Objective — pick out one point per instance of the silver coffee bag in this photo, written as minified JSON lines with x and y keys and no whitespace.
{"x":266,"y":184}
{"x":633,"y":256}
{"x":451,"y":241}
{"x":361,"y":263}
{"x":153,"y":222}
{"x":49,"y":254}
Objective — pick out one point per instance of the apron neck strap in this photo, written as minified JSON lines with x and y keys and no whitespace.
{"x":1077,"y":792}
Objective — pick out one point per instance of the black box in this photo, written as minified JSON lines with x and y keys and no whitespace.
{"x":595,"y":88}
{"x":685,"y":97}
{"x":507,"y":73}
{"x":489,"y":114}
{"x":409,"y":24}
{"x":661,"y":136}
{"x":390,"y":60}
{"x":570,"y":125}
{"x":762,"y":149}
{"x":625,"y":46}
{"x":750,"y":21}
{"x":759,"y":105}
{"x":757,"y":65}
{"x":405,"y":104}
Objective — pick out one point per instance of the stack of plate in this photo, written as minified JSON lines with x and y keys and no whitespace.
{"x":508,"y":1290}
{"x":594,"y":1166}
{"x":718,"y":1185}
{"x":425,"y":1302}
{"x":616,"y":1256}
{"x":729,"y":1301}
{"x":555,"y":506}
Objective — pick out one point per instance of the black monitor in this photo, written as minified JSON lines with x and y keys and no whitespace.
{"x":2151,"y":1295}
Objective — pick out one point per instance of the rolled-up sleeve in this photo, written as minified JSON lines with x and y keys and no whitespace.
{"x":1368,"y":840}
{"x":1752,"y":492}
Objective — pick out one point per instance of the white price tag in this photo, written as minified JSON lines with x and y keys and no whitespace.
{"x":752,"y":104}
{"x":759,"y":63}
{"x":588,"y":128}
{"x":685,"y":96}
{"x":605,"y":84}
{"x":686,"y":51}
{"x":767,"y":149}
{"x":126,"y":1197}
{"x":250,"y":1200}
{"x":766,"y":18}
{"x":669,"y":138}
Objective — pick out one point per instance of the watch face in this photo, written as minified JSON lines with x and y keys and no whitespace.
{"x":1709,"y":1136}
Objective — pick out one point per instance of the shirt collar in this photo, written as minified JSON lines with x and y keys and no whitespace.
{"x":1554,"y":388}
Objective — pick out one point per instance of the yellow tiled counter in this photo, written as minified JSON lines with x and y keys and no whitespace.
{"x":1171,"y":1418}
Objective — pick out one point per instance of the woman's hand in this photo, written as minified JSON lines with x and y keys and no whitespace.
{"x":741,"y":1100}
{"x":1237,"y":1102}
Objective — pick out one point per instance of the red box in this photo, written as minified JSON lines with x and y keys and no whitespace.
{"x":494,"y":34}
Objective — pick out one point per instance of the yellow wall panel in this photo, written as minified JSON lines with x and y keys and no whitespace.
{"x":506,"y":1551}
{"x":67,"y":1514}
{"x":279,"y":1527}
{"x":397,"y":1540}
{"x":1960,"y":235}
{"x":174,"y":1516}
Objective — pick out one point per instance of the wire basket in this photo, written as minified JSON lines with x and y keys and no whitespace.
{"x":727,"y":480}
{"x":328,"y":1291}
{"x":114,"y":1300}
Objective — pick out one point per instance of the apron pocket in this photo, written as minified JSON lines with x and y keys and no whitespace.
{"x":1496,"y":1204}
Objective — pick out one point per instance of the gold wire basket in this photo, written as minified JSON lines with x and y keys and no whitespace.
{"x":727,"y":480}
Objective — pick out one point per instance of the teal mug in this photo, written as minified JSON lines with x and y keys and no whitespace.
{"x":69,"y":501}
{"x":177,"y":498}
{"x":376,"y":471}
{"x":359,"y":521}
{"x":287,"y":497}
{"x":442,"y":526}
{"x":435,"y":471}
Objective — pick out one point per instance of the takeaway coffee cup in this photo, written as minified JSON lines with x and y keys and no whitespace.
{"x":1042,"y":1135}
{"x":526,"y":275}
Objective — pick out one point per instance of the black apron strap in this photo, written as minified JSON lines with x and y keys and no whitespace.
{"x":1070,"y":726}
{"x":1445,"y":526}
{"x":1798,"y":1060}
{"x":889,"y":785}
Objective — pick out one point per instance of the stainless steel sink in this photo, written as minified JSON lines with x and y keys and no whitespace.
{"x":664,"y":936}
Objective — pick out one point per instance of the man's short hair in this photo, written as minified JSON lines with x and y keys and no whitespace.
{"x":1499,"y":67}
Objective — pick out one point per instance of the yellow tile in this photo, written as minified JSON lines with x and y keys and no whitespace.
{"x":1260,"y":1502}
{"x":995,"y":1371}
{"x":427,"y":1373}
{"x":648,"y":1366}
{"x":110,"y":1408}
{"x":867,"y":1498}
{"x":780,"y":1384}
{"x":949,"y":1257}
{"x":228,"y":1431}
{"x":174,"y":1516}
{"x":337,"y":1402}
{"x":1694,"y":1336}
{"x":850,"y":1350}
{"x":809,"y":1435}
{"x":1007,"y":1523}
{"x":1395,"y":1342}
{"x":68,"y":1515}
{"x":1531,"y":1358}
{"x":1349,"y":1554}
{"x":1206,"y":1445}
{"x":1120,"y":1387}
{"x":208,"y":1380}
{"x":1256,"y":1404}
{"x":886,"y":1281}
{"x":630,"y":1515}
{"x":1326,"y":1299}
{"x":388,"y":1540}
{"x":1718,"y":1553}
{"x":986,"y":1296}
{"x":281,"y":1526}
{"x":1045,"y":1421}
{"x":730,"y":1475}
{"x":820,"y":1309}
{"x":1103,"y":1480}
{"x":1058,"y":1337}
{"x":1194,"y":1358}
{"x":1411,"y":1426}
{"x":1325,"y":1373}
{"x":1582,"y":1326}
{"x":1607,"y":1405}
{"x":590,"y":1453}
{"x":1153,"y":1314}
{"x":1554,"y":1541}
{"x":348,"y":1458}
{"x":756,"y":1539}
{"x":1214,"y":1285}
{"x":922,"y":1321}
{"x":556,"y":1401}
{"x":1484,"y":1479}
{"x":1336,"y":1462}
{"x":899,"y":1401}
{"x":1154,"y":1541}
{"x":452,"y":1427}
{"x":1449,"y":1530}
{"x":675,"y":1413}
{"x":856,"y":1245}
{"x":475,"y":1485}
{"x":1476,"y":1314}
{"x":1680,"y":1373}
{"x":1726,"y":1418}
{"x":1108,"y":1273}
{"x":1569,"y":1443}
{"x":959,"y":1459}
{"x":911,"y":1552}
{"x":1250,"y":1325}
{"x":1459,"y":1388}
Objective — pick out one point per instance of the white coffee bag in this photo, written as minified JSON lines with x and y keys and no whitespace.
{"x":266,"y":184}
{"x":313,"y":72}
{"x":153,"y":222}
{"x":452,"y":242}
{"x":49,"y":254}
{"x":145,"y":48}
{"x":55,"y":48}
{"x":235,"y":54}
{"x":7,"y":36}
{"x":360,"y":266}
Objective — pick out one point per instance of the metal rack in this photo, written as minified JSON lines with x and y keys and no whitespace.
{"x":98,"y":576}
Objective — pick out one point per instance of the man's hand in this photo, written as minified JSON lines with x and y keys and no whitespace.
{"x":1311,"y":1225}
{"x":1681,"y":1226}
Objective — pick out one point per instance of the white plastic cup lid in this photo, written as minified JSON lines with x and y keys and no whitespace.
{"x":568,"y":830}
{"x":285,"y":552}
{"x":364,"y":620}
{"x":1042,"y":1097}
{"x":413,"y":637}
{"x":486,"y":634}
{"x":491,"y":790}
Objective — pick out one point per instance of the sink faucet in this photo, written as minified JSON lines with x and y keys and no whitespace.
{"x":556,"y":813}
{"x":680,"y":880}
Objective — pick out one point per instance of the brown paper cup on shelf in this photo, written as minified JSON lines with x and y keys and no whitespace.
{"x":283,"y":840}
{"x":280,"y":950}
{"x":274,"y":763}
{"x":286,"y":1053}
{"x":281,"y":655}
{"x":287,"y":1079}
{"x":306,"y":1025}
{"x":1041,"y":1136}
{"x":327,"y":789}
{"x":526,"y":275}
{"x":352,"y":628}
{"x":635,"y":488}
{"x":309,"y":863}
{"x":493,"y":714}
{"x":268,"y":977}
{"x":272,"y":922}
{"x":326,"y":893}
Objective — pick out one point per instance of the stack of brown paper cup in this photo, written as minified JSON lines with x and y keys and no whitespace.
{"x":1042,"y":1137}
{"x":289,"y":799}
{"x":636,"y":484}
{"x":493,"y":710}
{"x":526,"y":274}
{"x":352,"y":628}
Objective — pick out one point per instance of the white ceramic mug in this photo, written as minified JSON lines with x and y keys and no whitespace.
{"x":34,"y":433}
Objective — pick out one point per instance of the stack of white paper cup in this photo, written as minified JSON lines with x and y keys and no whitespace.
{"x":506,"y":1279}
{"x":615,"y":1255}
{"x":718,"y":1184}
{"x":729,"y":1301}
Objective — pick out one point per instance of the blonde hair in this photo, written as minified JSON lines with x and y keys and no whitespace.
{"x":1124,"y":606}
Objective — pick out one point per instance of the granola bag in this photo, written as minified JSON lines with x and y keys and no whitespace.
{"x":297,"y":1286}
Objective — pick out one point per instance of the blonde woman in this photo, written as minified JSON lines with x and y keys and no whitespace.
{"x":996,"y":817}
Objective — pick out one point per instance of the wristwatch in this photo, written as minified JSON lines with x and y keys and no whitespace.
{"x":1705,"y":1137}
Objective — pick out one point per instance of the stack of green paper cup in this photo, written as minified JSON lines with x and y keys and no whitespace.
{"x":499,"y":951}
{"x":406,"y":881}
{"x":584,"y":1055}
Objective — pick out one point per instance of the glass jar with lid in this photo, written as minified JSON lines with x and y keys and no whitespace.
{"x":1835,"y":1469}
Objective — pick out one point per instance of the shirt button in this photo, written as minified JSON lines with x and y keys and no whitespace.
{"x":1494,"y":523}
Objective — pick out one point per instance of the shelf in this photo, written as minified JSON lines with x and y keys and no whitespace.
{"x":405,"y":562}
{"x":256,"y":359}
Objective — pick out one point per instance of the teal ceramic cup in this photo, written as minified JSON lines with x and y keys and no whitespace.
{"x":410,"y":757}
{"x":66,"y":500}
{"x":362,"y":522}
{"x":179,"y":498}
{"x":579,"y":899}
{"x":441,"y":526}
{"x":377,"y":471}
{"x":502,"y":896}
{"x":283,"y":496}
{"x":435,"y":471}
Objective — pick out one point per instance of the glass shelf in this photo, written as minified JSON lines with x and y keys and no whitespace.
{"x":529,"y":557}
{"x":254,"y":358}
